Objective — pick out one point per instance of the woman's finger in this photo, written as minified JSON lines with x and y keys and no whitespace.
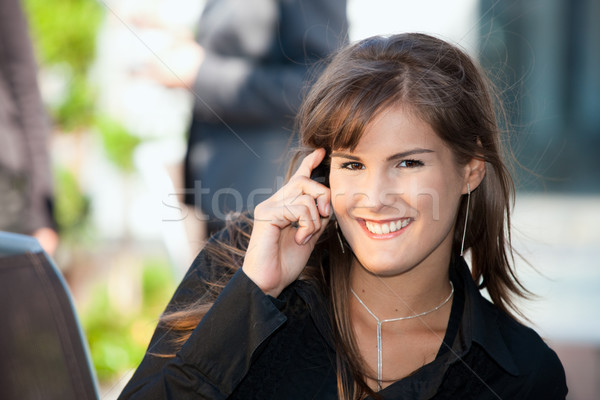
{"x":300,"y":214}
{"x":290,"y":211}
{"x":309,"y":202}
{"x":312,"y":239}
{"x":303,"y":212}
{"x":310,"y":162}
{"x":301,"y":185}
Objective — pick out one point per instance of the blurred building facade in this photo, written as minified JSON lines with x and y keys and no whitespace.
{"x":547,"y":52}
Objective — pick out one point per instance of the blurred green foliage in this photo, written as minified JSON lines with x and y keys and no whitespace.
{"x":118,"y":143}
{"x":64,"y":37}
{"x":64,"y":33}
{"x":71,"y":206}
{"x":78,"y":109}
{"x":118,"y":340}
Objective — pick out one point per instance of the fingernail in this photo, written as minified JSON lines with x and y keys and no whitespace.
{"x":307,"y":239}
{"x":327,"y":209}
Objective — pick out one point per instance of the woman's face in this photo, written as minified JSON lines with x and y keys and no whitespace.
{"x":397,"y":194}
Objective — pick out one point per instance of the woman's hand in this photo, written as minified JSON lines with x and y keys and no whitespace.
{"x":278,"y":250}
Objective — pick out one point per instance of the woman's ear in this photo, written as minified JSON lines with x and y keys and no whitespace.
{"x":474,"y":174}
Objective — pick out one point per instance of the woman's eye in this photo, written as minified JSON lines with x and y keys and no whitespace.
{"x":410,"y":163}
{"x":353,"y":165}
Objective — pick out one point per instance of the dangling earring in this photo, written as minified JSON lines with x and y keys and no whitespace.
{"x":462,"y":246}
{"x":337,"y":231}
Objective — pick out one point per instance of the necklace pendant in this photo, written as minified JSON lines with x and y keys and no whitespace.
{"x":379,"y":356}
{"x":381,"y":321}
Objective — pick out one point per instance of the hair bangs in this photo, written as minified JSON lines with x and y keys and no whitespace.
{"x":359,"y":100}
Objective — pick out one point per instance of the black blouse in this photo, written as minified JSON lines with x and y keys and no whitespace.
{"x":252,"y":346}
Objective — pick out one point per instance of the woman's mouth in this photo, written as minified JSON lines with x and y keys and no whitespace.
{"x":386,"y":227}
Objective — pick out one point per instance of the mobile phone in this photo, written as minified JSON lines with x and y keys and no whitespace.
{"x":321,"y":172}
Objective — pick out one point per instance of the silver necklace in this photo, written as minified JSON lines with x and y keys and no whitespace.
{"x":380,"y":322}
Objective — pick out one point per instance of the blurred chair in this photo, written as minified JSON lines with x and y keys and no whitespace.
{"x":43,"y":352}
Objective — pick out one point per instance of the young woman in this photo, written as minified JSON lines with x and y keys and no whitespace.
{"x":352,"y":285}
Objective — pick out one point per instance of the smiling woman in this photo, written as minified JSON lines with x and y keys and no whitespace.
{"x":404,"y":188}
{"x":354,"y":286}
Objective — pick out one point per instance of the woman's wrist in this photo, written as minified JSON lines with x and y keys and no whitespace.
{"x":268,"y":288}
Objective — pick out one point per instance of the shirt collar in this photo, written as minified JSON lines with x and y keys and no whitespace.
{"x":320,"y":309}
{"x":480,"y":322}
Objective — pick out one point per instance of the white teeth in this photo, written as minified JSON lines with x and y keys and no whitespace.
{"x":382,"y":229}
{"x":377,"y":229}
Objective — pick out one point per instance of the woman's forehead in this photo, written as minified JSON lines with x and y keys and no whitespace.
{"x":396,"y":129}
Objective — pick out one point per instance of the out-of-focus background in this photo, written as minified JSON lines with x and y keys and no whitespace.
{"x":118,"y":141}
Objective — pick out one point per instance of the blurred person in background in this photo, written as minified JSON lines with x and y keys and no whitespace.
{"x":247,"y":67}
{"x":25,"y":174}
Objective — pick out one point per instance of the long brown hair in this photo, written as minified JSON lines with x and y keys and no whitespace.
{"x":440,"y":84}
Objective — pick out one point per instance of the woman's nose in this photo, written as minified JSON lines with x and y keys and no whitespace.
{"x":376,"y":191}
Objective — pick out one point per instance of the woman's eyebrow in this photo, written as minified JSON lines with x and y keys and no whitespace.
{"x":344,"y":155}
{"x":390,"y":158}
{"x":408,"y":153}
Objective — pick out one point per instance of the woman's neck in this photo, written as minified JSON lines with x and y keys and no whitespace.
{"x":418,"y":290}
{"x":399,"y":321}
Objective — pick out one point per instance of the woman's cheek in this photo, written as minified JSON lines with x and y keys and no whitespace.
{"x":436,"y":199}
{"x":339,"y":191}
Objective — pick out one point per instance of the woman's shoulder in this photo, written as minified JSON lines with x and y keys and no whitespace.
{"x":519,"y":337}
{"x":518,"y":348}
{"x":536,"y":362}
